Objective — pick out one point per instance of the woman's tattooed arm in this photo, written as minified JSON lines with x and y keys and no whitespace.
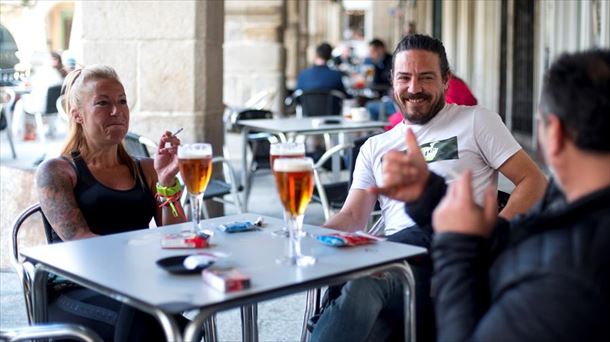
{"x":55,"y":181}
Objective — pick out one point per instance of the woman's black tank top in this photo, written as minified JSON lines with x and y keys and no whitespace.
{"x":110,"y":211}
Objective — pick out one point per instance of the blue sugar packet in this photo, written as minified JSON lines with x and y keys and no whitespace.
{"x":241,"y":226}
{"x":331,"y":240}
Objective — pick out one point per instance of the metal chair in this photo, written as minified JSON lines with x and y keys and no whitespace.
{"x":7,"y":100}
{"x":138,"y":147}
{"x":46,"y":331}
{"x":24,"y":271}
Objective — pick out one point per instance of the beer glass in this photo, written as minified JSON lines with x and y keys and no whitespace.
{"x":285,"y":150}
{"x":195,"y":163}
{"x":294,"y":180}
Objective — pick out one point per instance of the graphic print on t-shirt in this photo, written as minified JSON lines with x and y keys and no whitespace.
{"x":446,"y":149}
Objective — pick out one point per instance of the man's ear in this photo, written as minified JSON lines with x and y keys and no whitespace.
{"x":446,"y":80}
{"x":555,"y":134}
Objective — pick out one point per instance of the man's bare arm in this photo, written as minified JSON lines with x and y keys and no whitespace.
{"x":55,"y":181}
{"x":530,"y":184}
{"x":355,"y":212}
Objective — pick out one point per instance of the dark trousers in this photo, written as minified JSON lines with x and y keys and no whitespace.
{"x":112,"y":320}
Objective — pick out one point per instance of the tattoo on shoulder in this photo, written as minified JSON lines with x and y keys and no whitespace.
{"x":58,"y":203}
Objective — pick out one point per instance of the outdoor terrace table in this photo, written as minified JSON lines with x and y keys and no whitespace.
{"x":123,"y":267}
{"x":287,"y":129}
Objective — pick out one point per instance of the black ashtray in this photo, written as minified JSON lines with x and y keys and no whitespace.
{"x":175,"y":265}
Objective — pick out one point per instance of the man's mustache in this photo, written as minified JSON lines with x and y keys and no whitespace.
{"x":416,"y":96}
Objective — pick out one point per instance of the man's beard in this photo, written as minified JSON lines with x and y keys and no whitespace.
{"x":419,"y":118}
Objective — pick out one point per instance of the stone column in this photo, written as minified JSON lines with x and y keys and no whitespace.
{"x":254,"y":50}
{"x":169,"y":58}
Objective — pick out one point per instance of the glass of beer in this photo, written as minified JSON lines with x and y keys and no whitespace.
{"x":195,"y":163}
{"x":285,"y":150}
{"x":294,"y":180}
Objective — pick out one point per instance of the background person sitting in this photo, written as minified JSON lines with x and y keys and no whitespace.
{"x":97,"y":188}
{"x":319,"y":76}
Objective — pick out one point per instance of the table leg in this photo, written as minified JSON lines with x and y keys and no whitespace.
{"x":312,"y":303}
{"x":245,"y":170}
{"x":170,"y":327}
{"x":39,"y":295}
{"x":209,"y":329}
{"x":249,"y":322}
{"x":408,"y":282}
{"x":204,"y":318}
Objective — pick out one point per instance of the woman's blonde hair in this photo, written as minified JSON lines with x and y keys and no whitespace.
{"x":72,"y":91}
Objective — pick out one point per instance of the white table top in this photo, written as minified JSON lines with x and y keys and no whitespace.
{"x":125,"y":263}
{"x":312,"y":125}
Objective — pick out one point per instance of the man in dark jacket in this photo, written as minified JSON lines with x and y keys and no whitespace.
{"x":544,"y":276}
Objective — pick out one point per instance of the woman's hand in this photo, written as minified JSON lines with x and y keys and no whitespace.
{"x":166,"y":159}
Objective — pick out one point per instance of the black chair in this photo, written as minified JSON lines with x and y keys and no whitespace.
{"x":311,"y":103}
{"x":138,"y":147}
{"x":53,"y":93}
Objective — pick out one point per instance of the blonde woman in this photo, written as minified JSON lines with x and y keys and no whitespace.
{"x":97,"y":188}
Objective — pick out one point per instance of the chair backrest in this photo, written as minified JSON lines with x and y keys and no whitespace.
{"x":134,"y":146}
{"x":259,"y":144}
{"x":26,"y":275}
{"x":53,"y":94}
{"x":47,"y":331}
{"x":319,"y":102}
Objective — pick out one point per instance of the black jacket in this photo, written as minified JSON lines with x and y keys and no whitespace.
{"x":541,"y":277}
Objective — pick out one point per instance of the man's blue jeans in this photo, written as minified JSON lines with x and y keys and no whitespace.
{"x":368,"y":309}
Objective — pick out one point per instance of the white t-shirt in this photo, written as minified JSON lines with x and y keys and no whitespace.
{"x":457,"y":138}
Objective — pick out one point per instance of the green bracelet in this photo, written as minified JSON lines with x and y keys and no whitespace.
{"x":168,"y":191}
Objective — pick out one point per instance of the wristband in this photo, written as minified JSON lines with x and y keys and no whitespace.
{"x":168,"y":191}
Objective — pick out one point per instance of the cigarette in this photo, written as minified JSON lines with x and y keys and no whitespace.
{"x":178,"y":131}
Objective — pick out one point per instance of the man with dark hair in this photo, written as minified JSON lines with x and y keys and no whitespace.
{"x":543,"y":276}
{"x":320,"y":76}
{"x":381,"y":61}
{"x":454,"y":139}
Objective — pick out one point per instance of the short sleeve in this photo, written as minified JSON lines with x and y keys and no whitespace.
{"x":494,"y":140}
{"x":363,"y":170}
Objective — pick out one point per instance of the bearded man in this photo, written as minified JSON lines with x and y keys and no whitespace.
{"x":453,"y":139}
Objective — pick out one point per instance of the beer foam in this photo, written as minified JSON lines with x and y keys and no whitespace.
{"x":193,"y":154}
{"x":292,"y":164}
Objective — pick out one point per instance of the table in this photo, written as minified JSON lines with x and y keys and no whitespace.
{"x":288,"y":128}
{"x":123,"y":267}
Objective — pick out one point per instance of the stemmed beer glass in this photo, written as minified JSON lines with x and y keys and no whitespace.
{"x":195,"y":163}
{"x":285,"y":150}
{"x":294,"y":180}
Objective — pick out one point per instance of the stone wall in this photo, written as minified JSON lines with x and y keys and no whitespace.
{"x":171,"y":68}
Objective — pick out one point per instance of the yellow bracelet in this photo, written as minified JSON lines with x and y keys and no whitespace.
{"x":169,"y":191}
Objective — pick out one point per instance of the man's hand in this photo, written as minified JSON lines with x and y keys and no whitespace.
{"x":458,"y":213}
{"x":404,"y":175}
{"x":166,"y":159}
